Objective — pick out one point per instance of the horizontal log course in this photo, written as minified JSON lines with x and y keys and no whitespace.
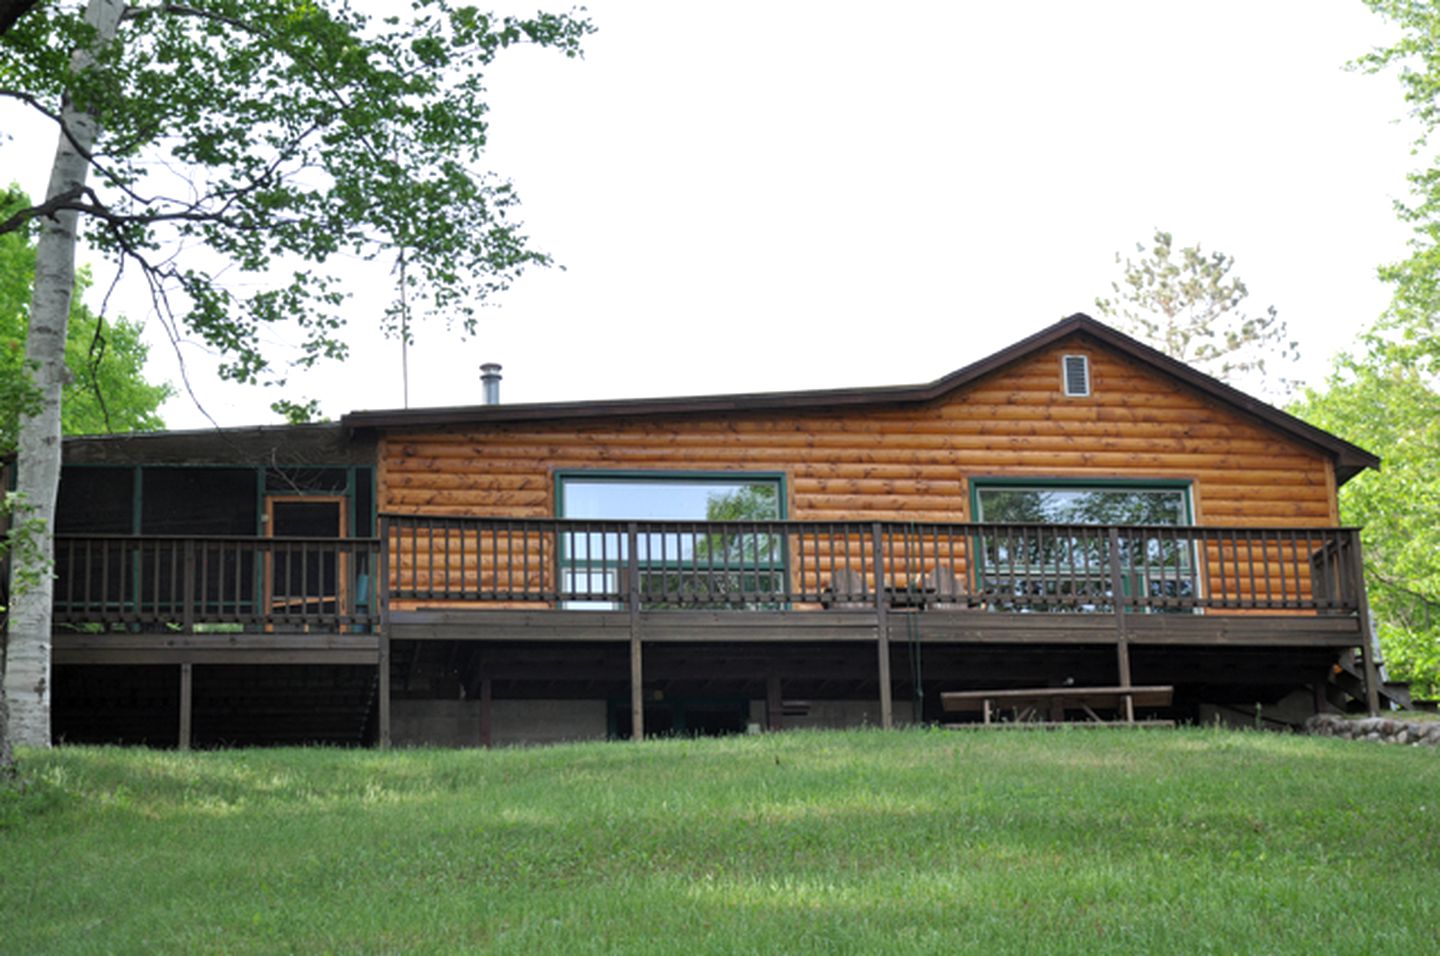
{"x":944,"y":472}
{"x":461,"y":480}
{"x":499,"y":499}
{"x":976,"y":461}
{"x":908,"y":438}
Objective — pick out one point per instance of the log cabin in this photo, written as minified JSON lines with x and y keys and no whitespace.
{"x":1077,"y":509}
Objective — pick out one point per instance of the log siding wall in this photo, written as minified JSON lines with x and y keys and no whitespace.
{"x":898,"y":464}
{"x":904,"y":464}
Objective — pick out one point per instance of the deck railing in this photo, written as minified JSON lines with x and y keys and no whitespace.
{"x":187,"y":583}
{"x":330,"y":585}
{"x":563,"y":563}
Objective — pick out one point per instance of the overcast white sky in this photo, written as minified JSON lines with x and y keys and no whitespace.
{"x":780,"y":195}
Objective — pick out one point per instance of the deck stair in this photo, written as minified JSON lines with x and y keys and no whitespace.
{"x":1346,"y":687}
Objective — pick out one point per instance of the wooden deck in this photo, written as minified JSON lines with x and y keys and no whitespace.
{"x":149,"y":600}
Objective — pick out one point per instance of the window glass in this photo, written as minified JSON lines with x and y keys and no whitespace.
{"x":1069,"y":569}
{"x":1040,"y":505}
{"x":683,"y":499}
{"x":675,"y":566}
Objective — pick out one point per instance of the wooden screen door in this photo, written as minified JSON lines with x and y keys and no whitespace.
{"x":306,"y":579}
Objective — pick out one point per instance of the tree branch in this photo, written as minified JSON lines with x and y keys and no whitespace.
{"x":46,"y":209}
{"x":1423,"y":598}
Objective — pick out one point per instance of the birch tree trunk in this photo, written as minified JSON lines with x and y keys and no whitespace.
{"x":27,"y":656}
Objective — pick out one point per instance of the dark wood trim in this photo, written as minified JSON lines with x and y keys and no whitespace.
{"x":382,"y":690}
{"x":487,"y":716}
{"x":774,"y":705}
{"x":282,"y":446}
{"x":882,"y":630}
{"x":637,"y":685}
{"x":187,"y":699}
{"x":215,"y":649}
{"x":939,"y":626}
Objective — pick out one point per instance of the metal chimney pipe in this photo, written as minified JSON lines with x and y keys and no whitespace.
{"x":490,"y":379}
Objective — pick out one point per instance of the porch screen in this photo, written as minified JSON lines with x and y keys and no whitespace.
{"x":679,"y":565}
{"x":1067,"y":566}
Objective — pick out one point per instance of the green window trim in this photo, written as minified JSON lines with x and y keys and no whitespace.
{"x":754,"y":566}
{"x":1072,"y":565}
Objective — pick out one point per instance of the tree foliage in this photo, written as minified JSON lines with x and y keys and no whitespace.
{"x":1388,"y":398}
{"x":1407,"y":332}
{"x":1190,"y":305}
{"x":232,"y":153}
{"x":283,"y":138}
{"x":106,"y":358}
{"x":1392,"y":408}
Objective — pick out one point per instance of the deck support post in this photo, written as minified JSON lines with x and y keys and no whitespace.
{"x":882,"y":627}
{"x":1122,"y":640}
{"x":637,"y":685}
{"x":487,"y":725}
{"x":774,"y":707}
{"x":187,"y":696}
{"x":1367,"y":628}
{"x":383,"y":675}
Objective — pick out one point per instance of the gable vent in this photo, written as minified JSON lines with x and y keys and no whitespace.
{"x":1076,"y":370}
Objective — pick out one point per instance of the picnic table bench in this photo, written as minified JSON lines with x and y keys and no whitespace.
{"x":1028,"y":704}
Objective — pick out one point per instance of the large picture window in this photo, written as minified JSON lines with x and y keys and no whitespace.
{"x":686,"y":564}
{"x":1047,"y":558}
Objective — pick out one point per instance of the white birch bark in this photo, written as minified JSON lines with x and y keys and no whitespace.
{"x":27,"y":657}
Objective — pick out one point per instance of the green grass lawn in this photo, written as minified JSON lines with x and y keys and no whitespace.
{"x":902,"y":842}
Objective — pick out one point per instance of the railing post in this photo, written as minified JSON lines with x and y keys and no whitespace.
{"x":1122,"y":644}
{"x":882,"y":626}
{"x":1356,"y":573}
{"x":379,"y":609}
{"x":187,"y":591}
{"x":381,"y":592}
{"x":637,"y":687}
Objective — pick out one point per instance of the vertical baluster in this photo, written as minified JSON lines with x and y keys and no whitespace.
{"x":494,"y":557}
{"x":69,"y":551}
{"x":306,"y":584}
{"x":87,"y":591}
{"x":832,"y":561}
{"x":752,"y":550}
{"x":203,"y":579}
{"x":1016,"y":589}
{"x":1289,"y":563}
{"x":413,"y":526}
{"x":806,"y":558}
{"x":1269,"y":570}
{"x":1225,"y":585}
{"x":187,"y":597}
{"x":105,"y":575}
{"x":1047,"y":546}
{"x":1196,"y":555}
{"x":241,"y":556}
{"x":1250,"y":567}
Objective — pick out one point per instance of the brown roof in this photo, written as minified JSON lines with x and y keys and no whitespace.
{"x":1349,"y":459}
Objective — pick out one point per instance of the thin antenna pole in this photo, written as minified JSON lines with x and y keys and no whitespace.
{"x":404,"y":336}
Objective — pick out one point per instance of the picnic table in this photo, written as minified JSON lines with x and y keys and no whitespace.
{"x":1046,"y":706}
